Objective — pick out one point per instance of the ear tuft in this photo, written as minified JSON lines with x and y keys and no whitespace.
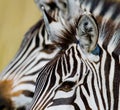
{"x":87,"y":32}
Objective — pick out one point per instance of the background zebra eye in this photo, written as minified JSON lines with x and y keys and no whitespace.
{"x":67,"y":86}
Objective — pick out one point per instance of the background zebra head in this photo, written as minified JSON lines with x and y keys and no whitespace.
{"x":17,"y":81}
{"x":85,"y":73}
{"x":65,"y":7}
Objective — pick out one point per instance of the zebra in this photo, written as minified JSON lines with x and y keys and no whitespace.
{"x":65,"y":7}
{"x":85,"y":74}
{"x":13,"y":67}
{"x":17,"y":80}
{"x":20,"y":75}
{"x":96,"y":7}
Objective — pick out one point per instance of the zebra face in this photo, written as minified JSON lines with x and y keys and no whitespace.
{"x":35,"y":51}
{"x":85,"y":74}
{"x":61,"y":82}
{"x":65,"y":8}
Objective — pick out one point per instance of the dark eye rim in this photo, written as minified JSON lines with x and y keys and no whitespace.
{"x":67,"y":86}
{"x":49,"y":48}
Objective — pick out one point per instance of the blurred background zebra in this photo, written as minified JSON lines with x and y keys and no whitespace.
{"x":85,"y":74}
{"x":15,"y":19}
{"x":17,"y":80}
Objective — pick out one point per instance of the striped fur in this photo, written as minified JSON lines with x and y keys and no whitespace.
{"x":76,"y":80}
{"x":35,"y":51}
{"x":21,"y":73}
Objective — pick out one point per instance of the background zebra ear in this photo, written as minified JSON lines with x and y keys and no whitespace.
{"x":63,"y":7}
{"x":87,"y":32}
{"x":68,"y":8}
{"x":48,"y":21}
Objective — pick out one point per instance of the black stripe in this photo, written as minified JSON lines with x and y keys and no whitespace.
{"x":94,"y":92}
{"x":94,"y":5}
{"x":75,"y":63}
{"x":84,"y":100}
{"x":37,"y":41}
{"x":107,"y":71}
{"x":116,"y":82}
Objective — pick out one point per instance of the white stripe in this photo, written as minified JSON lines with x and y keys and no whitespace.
{"x":79,"y":101}
{"x":103,"y":79}
{"x":119,"y":98}
{"x":98,"y":8}
{"x":109,"y":13}
{"x":111,"y":79}
{"x":117,"y":20}
{"x":88,"y":7}
{"x":24,"y":87}
{"x":115,"y":40}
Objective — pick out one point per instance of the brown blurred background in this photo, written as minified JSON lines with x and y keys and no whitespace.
{"x":16,"y":17}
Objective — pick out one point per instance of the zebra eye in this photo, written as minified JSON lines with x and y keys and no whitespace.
{"x":67,"y":86}
{"x":49,"y":48}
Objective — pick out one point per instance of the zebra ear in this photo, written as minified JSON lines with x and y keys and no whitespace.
{"x":87,"y":32}
{"x":73,"y":8}
{"x":48,"y":21}
{"x":53,"y":27}
{"x":63,"y":7}
{"x":69,"y":9}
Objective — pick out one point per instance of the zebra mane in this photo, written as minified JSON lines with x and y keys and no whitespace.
{"x":66,"y":35}
{"x":107,"y":15}
{"x":109,"y":36}
{"x":108,"y":9}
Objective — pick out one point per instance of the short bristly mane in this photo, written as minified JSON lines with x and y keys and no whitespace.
{"x":109,"y":36}
{"x":66,"y":35}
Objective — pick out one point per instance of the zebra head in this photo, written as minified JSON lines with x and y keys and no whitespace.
{"x":65,"y":82}
{"x":17,"y":81}
{"x":85,"y":73}
{"x":65,"y":7}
